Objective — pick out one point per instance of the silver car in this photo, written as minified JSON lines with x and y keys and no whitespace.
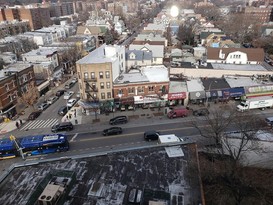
{"x":43,"y":106}
{"x":51,"y":100}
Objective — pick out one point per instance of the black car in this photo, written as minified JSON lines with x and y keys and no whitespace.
{"x":201,"y":112}
{"x":118,"y":120}
{"x":63,"y":110}
{"x":34,"y":115}
{"x":151,"y":135}
{"x":60,"y":93}
{"x":63,"y":126}
{"x":112,"y":131}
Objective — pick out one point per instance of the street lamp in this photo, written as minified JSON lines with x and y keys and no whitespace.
{"x":207,"y":99}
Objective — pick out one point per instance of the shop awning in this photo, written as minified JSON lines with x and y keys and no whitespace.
{"x":43,"y":85}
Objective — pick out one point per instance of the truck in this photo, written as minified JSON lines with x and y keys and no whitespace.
{"x":255,"y":103}
{"x":178,"y":112}
{"x":170,"y":138}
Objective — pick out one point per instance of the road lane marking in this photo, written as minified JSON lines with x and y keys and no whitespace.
{"x":129,"y":134}
{"x":74,"y":137}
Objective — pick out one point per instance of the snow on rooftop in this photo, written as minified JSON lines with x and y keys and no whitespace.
{"x":156,"y":73}
{"x":246,"y":67}
{"x":235,"y":81}
{"x":195,"y":85}
{"x":101,"y":55}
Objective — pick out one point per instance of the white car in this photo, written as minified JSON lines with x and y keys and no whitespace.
{"x":68,"y":95}
{"x":74,"y":80}
{"x":71,"y":102}
{"x":51,"y":100}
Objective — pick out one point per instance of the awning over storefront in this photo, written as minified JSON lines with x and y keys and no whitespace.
{"x":177,"y":96}
{"x":197,"y":95}
{"x":43,"y":85}
{"x":88,"y":105}
{"x":146,"y":99}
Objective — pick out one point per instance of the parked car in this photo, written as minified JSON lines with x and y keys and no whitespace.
{"x":43,"y":106}
{"x":60,"y":93}
{"x":63,"y":110}
{"x":34,"y":115}
{"x":122,"y":108}
{"x":53,"y":99}
{"x":112,"y":131}
{"x":118,"y":120}
{"x":201,"y":112}
{"x":71,"y":102}
{"x":74,"y":80}
{"x":151,"y":135}
{"x":63,"y":126}
{"x":68,"y":95}
{"x":69,"y":85}
{"x":131,"y":107}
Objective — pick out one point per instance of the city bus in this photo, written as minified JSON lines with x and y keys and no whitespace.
{"x":7,"y":149}
{"x":44,"y":144}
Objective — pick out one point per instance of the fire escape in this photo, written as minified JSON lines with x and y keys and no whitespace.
{"x":91,"y":90}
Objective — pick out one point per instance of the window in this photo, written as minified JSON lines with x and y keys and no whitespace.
{"x":102,"y":95}
{"x":85,"y":75}
{"x":108,"y":85}
{"x":151,"y":88}
{"x":107,"y":74}
{"x":101,"y":75}
{"x":95,"y":95}
{"x":93,"y":75}
{"x":131,"y":90}
{"x":7,"y":87}
{"x":101,"y":85}
{"x":109,"y":95}
{"x":140,"y":89}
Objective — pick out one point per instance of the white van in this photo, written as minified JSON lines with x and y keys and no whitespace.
{"x":171,"y":138}
{"x":269,"y":121}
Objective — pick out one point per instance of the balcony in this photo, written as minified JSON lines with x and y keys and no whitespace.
{"x":90,"y":79}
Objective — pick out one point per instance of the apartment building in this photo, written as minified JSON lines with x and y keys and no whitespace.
{"x":262,"y":14}
{"x":14,"y":82}
{"x":98,"y":70}
{"x":38,"y":17}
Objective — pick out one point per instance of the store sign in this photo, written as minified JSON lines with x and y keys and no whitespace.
{"x":259,"y":89}
{"x":233,"y":92}
{"x":176,"y":96}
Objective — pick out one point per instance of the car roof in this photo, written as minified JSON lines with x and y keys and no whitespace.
{"x":65,"y":123}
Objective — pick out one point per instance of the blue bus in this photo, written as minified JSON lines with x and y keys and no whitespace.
{"x":7,"y":149}
{"x":44,"y":144}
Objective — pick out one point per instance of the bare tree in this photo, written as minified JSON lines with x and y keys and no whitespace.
{"x":226,"y":179}
{"x":29,"y":95}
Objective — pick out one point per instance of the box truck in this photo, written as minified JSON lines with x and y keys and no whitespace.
{"x":171,"y":138}
{"x":178,"y":112}
{"x":255,"y":103}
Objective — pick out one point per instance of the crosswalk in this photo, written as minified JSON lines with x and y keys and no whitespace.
{"x":40,"y":124}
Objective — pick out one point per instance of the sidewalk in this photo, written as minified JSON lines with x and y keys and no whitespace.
{"x":138,"y":117}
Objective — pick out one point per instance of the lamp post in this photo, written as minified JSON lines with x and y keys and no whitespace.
{"x":207,"y":99}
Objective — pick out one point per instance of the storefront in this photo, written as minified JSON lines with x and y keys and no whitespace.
{"x":259,"y":91}
{"x":197,"y":97}
{"x":177,"y":98}
{"x":234,"y":93}
{"x":43,"y":87}
{"x":152,"y":101}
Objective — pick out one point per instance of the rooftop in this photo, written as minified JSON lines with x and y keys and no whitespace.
{"x":157,"y":173}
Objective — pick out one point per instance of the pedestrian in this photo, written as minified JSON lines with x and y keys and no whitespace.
{"x":66,"y":116}
{"x":21,"y":122}
{"x":75,"y":113}
{"x":17,"y":124}
{"x":70,"y":116}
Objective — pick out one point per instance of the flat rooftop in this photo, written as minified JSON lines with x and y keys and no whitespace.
{"x":159,"y":173}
